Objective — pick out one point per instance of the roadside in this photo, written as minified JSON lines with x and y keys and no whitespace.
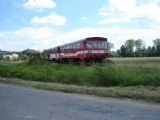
{"x":145,"y":93}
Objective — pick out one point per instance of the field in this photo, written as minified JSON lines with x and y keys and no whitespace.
{"x":116,"y":72}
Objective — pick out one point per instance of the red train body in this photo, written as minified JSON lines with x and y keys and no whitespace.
{"x":92,"y":48}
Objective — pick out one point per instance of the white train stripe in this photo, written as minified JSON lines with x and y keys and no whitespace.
{"x":82,"y":52}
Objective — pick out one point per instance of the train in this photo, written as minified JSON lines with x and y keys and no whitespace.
{"x":84,"y":50}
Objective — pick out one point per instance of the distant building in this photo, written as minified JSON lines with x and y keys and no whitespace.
{"x":11,"y":57}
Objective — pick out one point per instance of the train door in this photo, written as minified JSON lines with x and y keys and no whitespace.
{"x":84,"y":48}
{"x":58,"y":53}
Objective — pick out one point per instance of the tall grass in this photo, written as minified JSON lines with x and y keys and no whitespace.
{"x":108,"y":74}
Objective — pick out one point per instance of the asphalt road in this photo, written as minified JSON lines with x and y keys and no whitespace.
{"x":19,"y":103}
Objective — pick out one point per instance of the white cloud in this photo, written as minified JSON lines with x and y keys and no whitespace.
{"x":83,"y":18}
{"x":116,"y":35}
{"x":53,"y":19}
{"x":120,"y":11}
{"x":113,"y":20}
{"x":118,"y":6}
{"x":28,"y":37}
{"x":43,"y":38}
{"x":1,"y":46}
{"x":39,"y":4}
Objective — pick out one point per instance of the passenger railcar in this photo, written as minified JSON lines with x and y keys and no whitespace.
{"x":88,"y":49}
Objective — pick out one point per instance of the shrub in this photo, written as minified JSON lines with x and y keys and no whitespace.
{"x":107,"y":74}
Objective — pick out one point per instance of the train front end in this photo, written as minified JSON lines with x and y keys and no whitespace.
{"x":96,"y":49}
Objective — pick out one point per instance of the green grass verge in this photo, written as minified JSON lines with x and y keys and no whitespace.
{"x":116,"y":73}
{"x":145,"y":93}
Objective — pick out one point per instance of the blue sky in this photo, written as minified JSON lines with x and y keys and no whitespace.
{"x":15,"y":15}
{"x":41,"y":24}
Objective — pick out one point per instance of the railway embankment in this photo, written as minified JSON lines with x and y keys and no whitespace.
{"x":133,"y":78}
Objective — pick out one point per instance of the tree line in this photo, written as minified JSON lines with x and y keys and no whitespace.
{"x":131,"y":48}
{"x":137,"y":48}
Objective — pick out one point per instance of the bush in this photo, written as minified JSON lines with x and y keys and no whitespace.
{"x":37,"y":60}
{"x":107,"y":74}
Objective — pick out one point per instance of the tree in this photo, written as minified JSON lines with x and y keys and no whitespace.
{"x":43,"y":54}
{"x":110,"y":46}
{"x":156,"y":44}
{"x":129,"y":45}
{"x":139,"y":44}
{"x":143,"y":52}
{"x":123,"y":51}
{"x":118,"y":52}
{"x":114,"y":54}
{"x":139,"y":48}
{"x":149,"y":51}
{"x":30,"y":52}
{"x":153,"y":51}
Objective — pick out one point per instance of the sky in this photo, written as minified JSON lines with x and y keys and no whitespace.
{"x":43,"y":24}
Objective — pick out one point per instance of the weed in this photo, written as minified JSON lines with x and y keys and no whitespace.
{"x":115,"y":73}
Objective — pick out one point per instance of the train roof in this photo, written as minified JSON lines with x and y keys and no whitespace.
{"x":100,"y":38}
{"x":88,"y":38}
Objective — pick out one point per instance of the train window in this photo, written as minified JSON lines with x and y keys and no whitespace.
{"x":102,"y":44}
{"x":92,"y":44}
{"x":78,"y":45}
{"x":89,"y":44}
{"x":74,"y":46}
{"x":71,"y":47}
{"x":96,"y":44}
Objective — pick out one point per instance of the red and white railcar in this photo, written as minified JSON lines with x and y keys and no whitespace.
{"x":92,"y":48}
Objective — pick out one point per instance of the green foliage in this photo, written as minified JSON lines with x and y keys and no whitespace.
{"x":118,"y":73}
{"x":113,"y":54}
{"x":156,"y":43}
{"x":136,"y":48}
{"x":37,"y":59}
{"x":22,"y":57}
{"x":129,"y":45}
{"x":122,"y":51}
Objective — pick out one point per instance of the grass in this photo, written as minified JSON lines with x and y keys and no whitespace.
{"x":4,"y":63}
{"x":119,"y":72}
{"x":135,"y":78}
{"x":145,"y":93}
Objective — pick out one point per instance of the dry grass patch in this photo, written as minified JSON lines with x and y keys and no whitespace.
{"x":145,"y":93}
